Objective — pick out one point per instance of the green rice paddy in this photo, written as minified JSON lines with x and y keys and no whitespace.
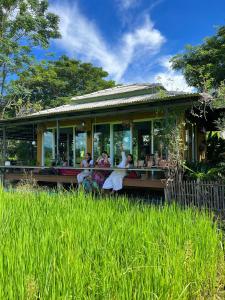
{"x":70,"y":246}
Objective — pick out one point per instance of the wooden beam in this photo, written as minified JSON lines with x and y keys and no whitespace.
{"x":128,"y":182}
{"x":57,"y":140}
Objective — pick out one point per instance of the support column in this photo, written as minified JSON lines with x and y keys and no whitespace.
{"x":57,"y":142}
{"x":4,"y":144}
{"x":68,"y":148}
{"x":40,"y":148}
{"x":111,"y":145}
{"x":74,"y":147}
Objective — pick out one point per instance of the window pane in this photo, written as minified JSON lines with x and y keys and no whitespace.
{"x":142,"y":140}
{"x":160,"y":146}
{"x":81,"y":145}
{"x":66,"y":146}
{"x":121,"y":136}
{"x":48,"y":148}
{"x":101,"y":139}
{"x":161,"y":130}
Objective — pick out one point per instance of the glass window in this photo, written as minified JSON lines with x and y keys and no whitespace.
{"x":48,"y":147}
{"x":142,"y":140}
{"x":66,"y":146}
{"x":101,"y":139}
{"x":121,"y":136}
{"x":80,"y":145}
{"x":161,"y":130}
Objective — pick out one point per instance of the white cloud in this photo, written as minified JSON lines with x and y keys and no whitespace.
{"x":125,"y":4}
{"x":81,"y":36}
{"x":170,"y":79}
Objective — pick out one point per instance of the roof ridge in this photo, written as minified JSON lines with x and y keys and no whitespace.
{"x":120,"y":89}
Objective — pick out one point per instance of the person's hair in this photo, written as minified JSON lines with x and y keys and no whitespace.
{"x":89,"y":159}
{"x":104,"y":152}
{"x":132,"y":158}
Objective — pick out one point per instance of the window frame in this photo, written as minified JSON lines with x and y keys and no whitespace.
{"x":74,"y":143}
{"x":131,"y":133}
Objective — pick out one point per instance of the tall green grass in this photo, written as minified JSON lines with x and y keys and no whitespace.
{"x":70,"y":246}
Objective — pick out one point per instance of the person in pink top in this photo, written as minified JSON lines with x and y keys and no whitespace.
{"x":99,"y":176}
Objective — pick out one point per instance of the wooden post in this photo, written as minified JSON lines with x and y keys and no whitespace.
{"x":2,"y":177}
{"x":74,"y":147}
{"x":40,"y":149}
{"x":4,"y":144}
{"x":57,"y":141}
{"x":68,"y":148}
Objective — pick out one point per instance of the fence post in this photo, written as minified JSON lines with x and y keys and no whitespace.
{"x":2,"y":177}
{"x":201,"y":194}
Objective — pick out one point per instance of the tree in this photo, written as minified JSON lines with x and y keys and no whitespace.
{"x":204,"y":66}
{"x":24,"y":24}
{"x":53,"y":82}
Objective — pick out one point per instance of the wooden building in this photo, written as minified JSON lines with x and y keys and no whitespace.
{"x":142,"y":117}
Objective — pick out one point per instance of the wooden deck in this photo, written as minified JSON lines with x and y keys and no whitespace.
{"x":157,"y":184}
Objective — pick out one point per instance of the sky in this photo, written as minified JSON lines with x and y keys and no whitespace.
{"x":133,"y":40}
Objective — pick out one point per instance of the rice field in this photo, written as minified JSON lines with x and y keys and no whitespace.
{"x":71,"y":246}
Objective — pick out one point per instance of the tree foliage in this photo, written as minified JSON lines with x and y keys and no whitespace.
{"x":25,"y":84}
{"x":204,"y":65}
{"x":53,"y":82}
{"x":24,"y":24}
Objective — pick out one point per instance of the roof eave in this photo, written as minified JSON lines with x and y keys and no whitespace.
{"x":81,"y":114}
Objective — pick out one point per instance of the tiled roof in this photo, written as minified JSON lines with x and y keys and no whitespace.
{"x":114,"y":103}
{"x":121,"y":89}
{"x":120,"y":96}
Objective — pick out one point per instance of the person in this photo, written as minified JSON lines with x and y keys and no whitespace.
{"x":148,"y":162}
{"x":85,"y":163}
{"x":115,"y":180}
{"x":99,"y":176}
{"x":103,"y":160}
{"x":65,"y":163}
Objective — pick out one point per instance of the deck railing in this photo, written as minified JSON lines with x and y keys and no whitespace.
{"x":146,"y":177}
{"x":143,"y":170}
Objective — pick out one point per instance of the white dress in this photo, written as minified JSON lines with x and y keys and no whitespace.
{"x":115,"y":179}
{"x":84,"y":173}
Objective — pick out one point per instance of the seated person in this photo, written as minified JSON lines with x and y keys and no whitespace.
{"x":86,"y":163}
{"x":115,"y":180}
{"x":99,"y":176}
{"x":103,"y":160}
{"x":65,"y":163}
{"x":149,"y":161}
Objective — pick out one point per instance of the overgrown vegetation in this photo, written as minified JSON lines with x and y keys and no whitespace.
{"x":214,"y":167}
{"x":203,"y":68}
{"x":68,"y":245}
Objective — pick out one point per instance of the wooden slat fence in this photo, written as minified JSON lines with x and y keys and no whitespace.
{"x":202,"y":194}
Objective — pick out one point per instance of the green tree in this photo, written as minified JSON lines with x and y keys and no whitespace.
{"x":204,"y":65}
{"x":24,"y":24}
{"x":53,"y":82}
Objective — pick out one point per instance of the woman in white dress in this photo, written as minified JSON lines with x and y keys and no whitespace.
{"x":115,"y":180}
{"x":86,"y":163}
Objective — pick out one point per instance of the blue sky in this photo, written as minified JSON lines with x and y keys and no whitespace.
{"x":134,"y":39}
